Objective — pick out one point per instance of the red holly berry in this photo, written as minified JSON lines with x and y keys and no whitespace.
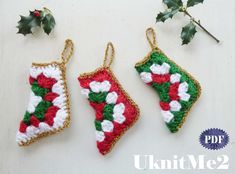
{"x":36,"y":13}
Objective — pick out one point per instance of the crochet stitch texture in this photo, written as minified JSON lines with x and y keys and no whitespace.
{"x":115,"y":111}
{"x":48,"y":109}
{"x":177,"y":89}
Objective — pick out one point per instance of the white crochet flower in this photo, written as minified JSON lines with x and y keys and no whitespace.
{"x":146,"y":77}
{"x":175,"y":105}
{"x":175,"y":78}
{"x":32,"y":131}
{"x":60,"y":101}
{"x":156,"y":68}
{"x":33,"y":102}
{"x":119,"y":108}
{"x":107,"y":126}
{"x":95,"y":86}
{"x":35,"y":71}
{"x":52,"y":71}
{"x":59,"y":119}
{"x":160,"y":69}
{"x":58,"y":122}
{"x":105,"y":86}
{"x":99,"y":135}
{"x":182,"y":91}
{"x":100,"y":86}
{"x":167,"y":116}
{"x":165,"y":68}
{"x":62,"y":114}
{"x":119,"y":118}
{"x":184,"y":96}
{"x":58,"y":87}
{"x":44,"y":127}
{"x":183,"y":87}
{"x":111,"y":98}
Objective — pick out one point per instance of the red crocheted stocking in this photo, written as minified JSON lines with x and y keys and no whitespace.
{"x":115,"y":111}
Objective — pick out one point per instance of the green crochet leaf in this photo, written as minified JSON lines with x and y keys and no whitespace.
{"x":98,"y":125}
{"x":162,"y":90}
{"x":108,"y":112}
{"x":39,"y":91}
{"x":26,"y":118}
{"x":97,"y":97}
{"x":41,"y":109}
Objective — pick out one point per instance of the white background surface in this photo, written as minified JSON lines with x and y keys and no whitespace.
{"x":91,"y":24}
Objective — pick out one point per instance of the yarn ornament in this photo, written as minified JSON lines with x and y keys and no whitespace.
{"x":177,"y":89}
{"x":48,"y":109}
{"x":115,"y":111}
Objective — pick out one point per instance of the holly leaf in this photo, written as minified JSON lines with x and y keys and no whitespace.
{"x":191,"y":3}
{"x":26,"y":23}
{"x":173,"y":4}
{"x":188,"y":33}
{"x":169,"y":13}
{"x":48,"y":23}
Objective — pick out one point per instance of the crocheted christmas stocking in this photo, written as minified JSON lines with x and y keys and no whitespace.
{"x":115,"y":111}
{"x":177,"y":89}
{"x":48,"y":109}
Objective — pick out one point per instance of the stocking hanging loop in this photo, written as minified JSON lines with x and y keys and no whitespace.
{"x":109,"y":55}
{"x":67,"y":52}
{"x":151,"y":37}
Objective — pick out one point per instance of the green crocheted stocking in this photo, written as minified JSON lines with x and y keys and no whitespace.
{"x":177,"y":89}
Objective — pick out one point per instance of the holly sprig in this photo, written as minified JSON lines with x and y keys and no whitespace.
{"x":175,"y":6}
{"x":37,"y":18}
